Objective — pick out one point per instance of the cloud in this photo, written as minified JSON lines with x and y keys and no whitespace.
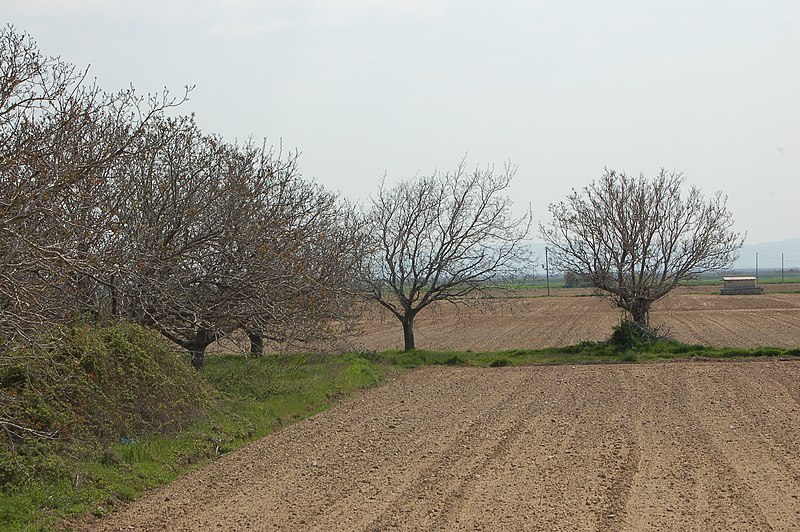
{"x":246,"y":14}
{"x":141,"y":9}
{"x":414,"y":8}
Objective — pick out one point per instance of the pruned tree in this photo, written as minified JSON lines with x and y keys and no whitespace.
{"x":636,"y":239}
{"x":442,"y":237}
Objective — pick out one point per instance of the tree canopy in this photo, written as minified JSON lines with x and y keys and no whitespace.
{"x":438,"y":238}
{"x":637,"y":238}
{"x":110,"y":208}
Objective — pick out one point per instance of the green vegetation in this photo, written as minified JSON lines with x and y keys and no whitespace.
{"x":127,"y":414}
{"x":557,"y":281}
{"x":80,"y":396}
{"x":91,"y":386}
{"x":583,"y":353}
{"x":777,"y":280}
{"x":115,"y":412}
{"x":627,"y":344}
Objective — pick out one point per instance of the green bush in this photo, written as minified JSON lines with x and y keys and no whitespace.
{"x":630,"y":335}
{"x":86,"y":387}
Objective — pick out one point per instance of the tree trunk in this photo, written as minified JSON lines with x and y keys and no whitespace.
{"x":197,"y":346}
{"x":640,"y":313}
{"x":256,"y":344}
{"x":198,"y":354}
{"x":114,"y":303}
{"x":84,"y":295}
{"x":408,"y":333}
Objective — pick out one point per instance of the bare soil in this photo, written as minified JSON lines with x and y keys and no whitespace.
{"x":664,"y":446}
{"x":695,"y":315}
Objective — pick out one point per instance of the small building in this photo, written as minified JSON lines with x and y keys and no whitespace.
{"x":740,"y":286}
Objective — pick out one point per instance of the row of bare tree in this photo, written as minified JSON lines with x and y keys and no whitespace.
{"x":110,"y":207}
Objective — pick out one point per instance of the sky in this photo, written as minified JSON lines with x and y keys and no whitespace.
{"x":401,"y":88}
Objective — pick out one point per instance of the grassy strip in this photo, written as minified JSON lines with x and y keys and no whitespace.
{"x":583,"y":353}
{"x":254,"y":398}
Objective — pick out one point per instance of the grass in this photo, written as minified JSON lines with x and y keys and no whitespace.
{"x":583,"y":353}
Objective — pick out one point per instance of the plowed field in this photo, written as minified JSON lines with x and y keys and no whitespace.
{"x":692,"y":315}
{"x":666,"y":446}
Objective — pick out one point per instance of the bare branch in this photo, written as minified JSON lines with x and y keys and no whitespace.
{"x":637,"y":239}
{"x":442,"y":237}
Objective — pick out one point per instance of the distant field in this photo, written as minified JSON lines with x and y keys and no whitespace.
{"x":772,"y":278}
{"x":529,"y":319}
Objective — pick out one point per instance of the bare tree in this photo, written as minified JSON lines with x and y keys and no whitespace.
{"x":294,"y":254}
{"x":59,"y":135}
{"x":168,"y":249}
{"x":442,"y":237}
{"x":304,"y":268}
{"x":60,"y":139}
{"x":108,"y":207}
{"x":215,"y":237}
{"x":636,"y":239}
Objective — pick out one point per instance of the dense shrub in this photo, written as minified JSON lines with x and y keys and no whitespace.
{"x":629,"y":335}
{"x":90,"y":387}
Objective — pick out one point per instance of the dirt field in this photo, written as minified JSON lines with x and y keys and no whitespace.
{"x":667,"y":446}
{"x":692,"y":315}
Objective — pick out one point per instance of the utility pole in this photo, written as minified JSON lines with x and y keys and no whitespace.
{"x":756,"y":267}
{"x":781,"y":267}
{"x":547,"y":269}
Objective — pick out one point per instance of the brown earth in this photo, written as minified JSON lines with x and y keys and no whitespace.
{"x":695,"y":315}
{"x":664,"y":446}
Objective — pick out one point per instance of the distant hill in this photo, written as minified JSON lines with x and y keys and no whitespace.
{"x":769,"y":255}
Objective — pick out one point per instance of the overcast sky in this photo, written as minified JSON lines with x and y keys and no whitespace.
{"x":402,"y":87}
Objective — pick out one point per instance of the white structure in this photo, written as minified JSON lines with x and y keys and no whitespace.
{"x":740,"y":286}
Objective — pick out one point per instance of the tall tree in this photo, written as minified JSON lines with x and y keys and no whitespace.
{"x":636,"y":239}
{"x":442,"y":237}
